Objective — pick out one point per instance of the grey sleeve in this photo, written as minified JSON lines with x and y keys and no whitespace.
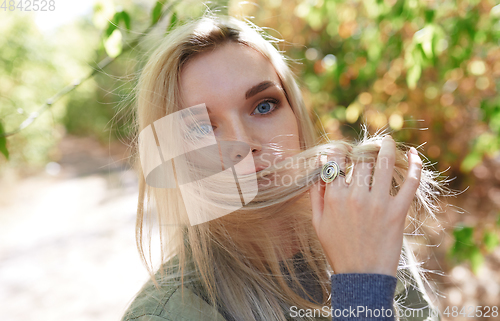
{"x":363,"y":296}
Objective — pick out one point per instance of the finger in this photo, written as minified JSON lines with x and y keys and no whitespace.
{"x":339,"y":157}
{"x":362,"y":174}
{"x":384,"y":170}
{"x":412,"y":181}
{"x":316,"y":194}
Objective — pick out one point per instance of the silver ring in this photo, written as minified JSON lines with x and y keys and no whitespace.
{"x":330,"y":171}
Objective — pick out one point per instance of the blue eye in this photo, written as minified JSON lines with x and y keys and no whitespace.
{"x":200,"y":131}
{"x":265,"y":107}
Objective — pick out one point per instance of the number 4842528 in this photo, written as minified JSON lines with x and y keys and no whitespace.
{"x":472,"y":311}
{"x":28,"y":5}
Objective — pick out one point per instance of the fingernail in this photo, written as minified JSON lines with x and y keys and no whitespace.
{"x":413,"y":150}
{"x":388,"y":136}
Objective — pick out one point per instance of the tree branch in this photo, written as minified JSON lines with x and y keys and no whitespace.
{"x":101,"y":65}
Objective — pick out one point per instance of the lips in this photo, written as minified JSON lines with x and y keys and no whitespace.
{"x":257,"y":169}
{"x":261,"y":167}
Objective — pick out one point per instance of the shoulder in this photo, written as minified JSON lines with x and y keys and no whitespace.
{"x":169,"y":302}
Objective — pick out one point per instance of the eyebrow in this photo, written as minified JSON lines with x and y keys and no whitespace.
{"x":255,"y":90}
{"x":260,"y":87}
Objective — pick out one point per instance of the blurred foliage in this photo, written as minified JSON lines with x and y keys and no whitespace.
{"x":28,"y":75}
{"x":429,"y":71}
{"x":471,"y":244}
{"x":404,"y":64}
{"x":37,"y":65}
{"x":3,"y":143}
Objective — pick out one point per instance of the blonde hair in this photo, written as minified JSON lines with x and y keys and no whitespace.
{"x":236,"y":257}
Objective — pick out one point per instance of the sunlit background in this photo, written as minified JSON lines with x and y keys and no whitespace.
{"x":428,"y":71}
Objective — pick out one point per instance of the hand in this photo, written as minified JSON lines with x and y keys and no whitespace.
{"x":361,"y":228}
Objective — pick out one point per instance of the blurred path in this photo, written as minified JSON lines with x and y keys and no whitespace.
{"x":67,"y":247}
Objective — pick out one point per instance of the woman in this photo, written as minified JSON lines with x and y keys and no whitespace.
{"x":296,"y":230}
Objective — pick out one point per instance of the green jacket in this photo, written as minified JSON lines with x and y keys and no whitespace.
{"x":168,"y":304}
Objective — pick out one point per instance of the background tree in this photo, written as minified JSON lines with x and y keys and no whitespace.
{"x":429,"y":71}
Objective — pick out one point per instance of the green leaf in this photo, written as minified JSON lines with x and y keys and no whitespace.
{"x":464,"y":243}
{"x":173,"y":22}
{"x":490,"y":240}
{"x":476,"y":259}
{"x":470,"y":161}
{"x":465,"y":249}
{"x":113,"y":24}
{"x":429,"y":15}
{"x":463,"y":234}
{"x":3,"y":143}
{"x":110,"y":29}
{"x":156,"y":13}
{"x":113,"y":44}
{"x":487,"y":143}
{"x":498,"y":219}
{"x":413,"y":76}
{"x":125,"y":17}
{"x":424,"y":38}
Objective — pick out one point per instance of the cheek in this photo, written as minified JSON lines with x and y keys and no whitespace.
{"x":286,"y":131}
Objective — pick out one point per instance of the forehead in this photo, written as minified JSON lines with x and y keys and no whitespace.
{"x":230,"y":69}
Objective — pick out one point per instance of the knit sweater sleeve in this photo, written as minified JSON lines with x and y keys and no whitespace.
{"x":363,"y":296}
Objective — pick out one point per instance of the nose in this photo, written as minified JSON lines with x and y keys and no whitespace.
{"x":238,"y":141}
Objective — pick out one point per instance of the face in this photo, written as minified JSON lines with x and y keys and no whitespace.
{"x":245,"y":102}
